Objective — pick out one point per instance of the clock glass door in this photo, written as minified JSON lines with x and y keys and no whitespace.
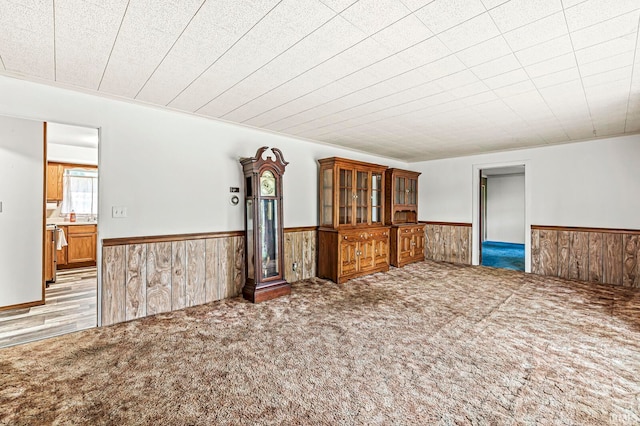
{"x":249,"y":236}
{"x":269,"y":233}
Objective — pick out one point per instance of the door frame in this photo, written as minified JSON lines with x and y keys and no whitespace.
{"x":475,"y":224}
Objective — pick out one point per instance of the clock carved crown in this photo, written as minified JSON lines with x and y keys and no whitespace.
{"x":257,"y":162}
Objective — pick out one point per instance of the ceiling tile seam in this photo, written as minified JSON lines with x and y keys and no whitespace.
{"x":224,"y":53}
{"x":394,"y":116}
{"x":603,"y":42}
{"x":55,"y":59}
{"x":577,"y":4}
{"x":373,"y":100}
{"x":268,"y":62}
{"x":481,"y":80}
{"x":340,"y":11}
{"x":600,"y":22}
{"x":492,"y":90}
{"x":603,"y":58}
{"x":575,"y":58}
{"x":169,"y":50}
{"x":2,"y":63}
{"x":408,"y":102}
{"x":532,"y":82}
{"x":609,"y":81}
{"x":564,"y":130}
{"x":363,"y":68}
{"x":633,"y":69}
{"x":370,"y":36}
{"x":115,"y":39}
{"x":389,"y":107}
{"x":319,"y":64}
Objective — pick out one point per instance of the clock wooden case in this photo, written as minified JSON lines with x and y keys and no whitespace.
{"x":407,"y":235}
{"x":263,"y":226}
{"x":352,"y":238}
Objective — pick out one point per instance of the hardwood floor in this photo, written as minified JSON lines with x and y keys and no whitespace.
{"x":71,"y":305}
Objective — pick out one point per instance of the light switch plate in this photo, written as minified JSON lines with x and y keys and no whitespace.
{"x":118,"y":211}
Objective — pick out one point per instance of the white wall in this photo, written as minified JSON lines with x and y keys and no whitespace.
{"x":72,"y":154}
{"x":22,"y":197}
{"x":590,"y":184}
{"x":505,"y":208}
{"x":173,"y":171}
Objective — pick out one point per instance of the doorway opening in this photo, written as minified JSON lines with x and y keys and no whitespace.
{"x":501,"y":216}
{"x":70,"y":240}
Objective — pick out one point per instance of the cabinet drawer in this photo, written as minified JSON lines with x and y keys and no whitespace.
{"x":379,"y":234}
{"x":82,"y":229}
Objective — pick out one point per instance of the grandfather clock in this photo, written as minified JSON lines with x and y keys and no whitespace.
{"x":263,"y":225}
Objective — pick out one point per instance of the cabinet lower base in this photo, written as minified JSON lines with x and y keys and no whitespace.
{"x":406,"y":261}
{"x":261,"y":294}
{"x":345,"y":278}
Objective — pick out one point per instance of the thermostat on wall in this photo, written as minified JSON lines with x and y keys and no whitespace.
{"x":235,"y":200}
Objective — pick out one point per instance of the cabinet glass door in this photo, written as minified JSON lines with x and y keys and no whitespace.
{"x":345,"y":200}
{"x":376,"y":197}
{"x":400,"y":190}
{"x":269,"y":234}
{"x":326,"y":208}
{"x":413,"y":189}
{"x":362,"y":197}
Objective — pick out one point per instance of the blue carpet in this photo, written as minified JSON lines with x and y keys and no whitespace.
{"x":503,"y":255}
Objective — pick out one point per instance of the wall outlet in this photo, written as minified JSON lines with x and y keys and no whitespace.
{"x":118,"y":211}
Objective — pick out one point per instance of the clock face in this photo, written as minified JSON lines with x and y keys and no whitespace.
{"x":267,"y":184}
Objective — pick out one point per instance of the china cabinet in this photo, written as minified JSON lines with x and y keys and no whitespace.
{"x":353,"y":239}
{"x":401,"y":201}
{"x":263,"y":226}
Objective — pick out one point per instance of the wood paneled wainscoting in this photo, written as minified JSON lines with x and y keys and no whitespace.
{"x":448,"y":242}
{"x":609,"y":256}
{"x":300,"y":253}
{"x":143,"y":276}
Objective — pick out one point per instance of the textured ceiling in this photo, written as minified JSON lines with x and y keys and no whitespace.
{"x":406,"y":79}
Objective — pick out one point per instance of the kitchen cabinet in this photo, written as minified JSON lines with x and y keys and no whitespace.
{"x":49,"y":255}
{"x":55,"y":171}
{"x":81,"y":246}
{"x":401,"y":202}
{"x":352,"y":238}
{"x":61,"y":256}
{"x":81,"y":242}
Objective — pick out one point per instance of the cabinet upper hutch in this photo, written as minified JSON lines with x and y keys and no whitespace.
{"x":351,"y":193}
{"x":352,"y":239}
{"x":401,"y":201}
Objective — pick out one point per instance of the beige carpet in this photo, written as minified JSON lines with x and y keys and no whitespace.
{"x":426,"y":344}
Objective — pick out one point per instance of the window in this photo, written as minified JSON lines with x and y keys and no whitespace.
{"x":80,"y":192}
